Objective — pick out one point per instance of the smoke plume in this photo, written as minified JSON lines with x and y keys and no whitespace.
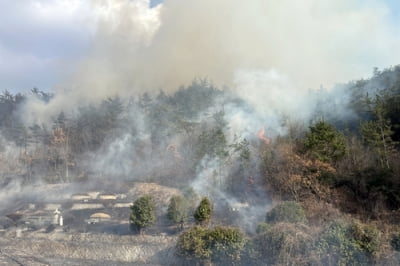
{"x":296,"y":45}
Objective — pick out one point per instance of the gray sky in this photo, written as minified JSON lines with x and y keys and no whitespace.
{"x":42,"y":41}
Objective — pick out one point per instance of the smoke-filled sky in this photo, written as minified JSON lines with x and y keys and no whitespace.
{"x":110,"y":46}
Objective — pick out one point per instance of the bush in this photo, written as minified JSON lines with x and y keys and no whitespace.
{"x":204,"y":211}
{"x":220,"y":245}
{"x":289,"y":211}
{"x":345,"y":244}
{"x":283,"y":244}
{"x":142,"y":213}
{"x":366,"y":237}
{"x":263,"y":227}
{"x":191,"y":244}
{"x":226,"y":244}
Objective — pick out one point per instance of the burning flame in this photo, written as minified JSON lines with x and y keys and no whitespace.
{"x":261,"y":135}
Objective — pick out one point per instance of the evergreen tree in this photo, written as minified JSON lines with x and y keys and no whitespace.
{"x":142,"y":213}
{"x":204,"y":211}
{"x":378,"y":133}
{"x":325,"y":142}
{"x":178,"y":210}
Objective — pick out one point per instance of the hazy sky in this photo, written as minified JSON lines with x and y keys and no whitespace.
{"x":41,"y":41}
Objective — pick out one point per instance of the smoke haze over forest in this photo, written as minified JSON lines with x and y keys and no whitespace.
{"x":221,"y":99}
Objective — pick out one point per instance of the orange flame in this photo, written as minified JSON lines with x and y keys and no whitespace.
{"x":261,"y":135}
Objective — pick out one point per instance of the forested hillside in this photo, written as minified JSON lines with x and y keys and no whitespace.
{"x":325,"y":190}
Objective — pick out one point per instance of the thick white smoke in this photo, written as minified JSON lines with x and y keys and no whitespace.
{"x":312,"y":42}
{"x":308,"y":43}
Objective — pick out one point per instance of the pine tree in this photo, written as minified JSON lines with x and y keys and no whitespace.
{"x":378,"y":133}
{"x":142,"y":213}
{"x":204,"y":211}
{"x":178,"y":210}
{"x":325,"y":142}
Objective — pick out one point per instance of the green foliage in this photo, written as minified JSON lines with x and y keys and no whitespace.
{"x":335,"y":247}
{"x":142,"y":213}
{"x":242,"y":149}
{"x":226,"y":244}
{"x":178,"y":209}
{"x":192,"y":245}
{"x":282,"y":244}
{"x":385,"y":86}
{"x":347,"y":244}
{"x":213,"y":143}
{"x":378,"y":133}
{"x":366,"y":237}
{"x":204,"y":211}
{"x":325,"y":143}
{"x":263,"y":227}
{"x":288,"y":211}
{"x":219,"y":245}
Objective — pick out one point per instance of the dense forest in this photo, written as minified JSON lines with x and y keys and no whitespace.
{"x":321,"y":191}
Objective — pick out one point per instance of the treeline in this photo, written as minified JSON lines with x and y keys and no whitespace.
{"x":170,"y":132}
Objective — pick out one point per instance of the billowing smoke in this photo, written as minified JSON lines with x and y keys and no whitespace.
{"x":296,"y":46}
{"x":312,"y":42}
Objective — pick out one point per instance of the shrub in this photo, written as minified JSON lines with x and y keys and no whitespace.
{"x":263,"y":227}
{"x":226,"y":244}
{"x":289,"y":211}
{"x":337,"y":245}
{"x":220,"y":245}
{"x":191,"y":244}
{"x":282,"y":243}
{"x":366,"y":237}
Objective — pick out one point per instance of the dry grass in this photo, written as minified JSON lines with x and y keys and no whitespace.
{"x":160,"y":194}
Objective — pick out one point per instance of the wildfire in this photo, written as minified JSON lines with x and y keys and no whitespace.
{"x":261,"y":135}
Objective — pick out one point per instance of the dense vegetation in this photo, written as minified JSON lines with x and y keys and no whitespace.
{"x":334,"y":181}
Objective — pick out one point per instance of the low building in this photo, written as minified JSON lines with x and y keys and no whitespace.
{"x":107,"y":197}
{"x":98,"y":217}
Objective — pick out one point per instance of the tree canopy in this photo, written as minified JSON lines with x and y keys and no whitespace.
{"x":142,"y":213}
{"x":203,"y":212}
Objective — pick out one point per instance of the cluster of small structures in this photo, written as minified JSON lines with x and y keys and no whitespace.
{"x":72,"y":214}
